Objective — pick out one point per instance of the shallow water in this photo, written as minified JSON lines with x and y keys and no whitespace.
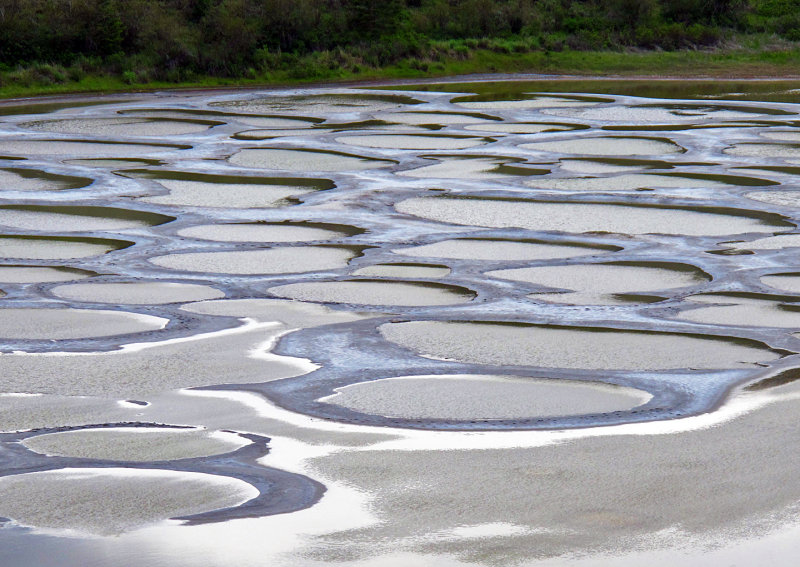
{"x":58,"y":218}
{"x":474,"y":167}
{"x":413,"y":142}
{"x":77,"y":498}
{"x":196,"y":191}
{"x":579,"y":217}
{"x":769,"y":243}
{"x":17,"y":179}
{"x":608,"y":146}
{"x":440,"y":118}
{"x":406,"y":327}
{"x":524,"y":103}
{"x":562,"y":347}
{"x":593,"y":284}
{"x":57,"y":324}
{"x":375,"y":292}
{"x":195,"y":194}
{"x":523,"y":127}
{"x":404,"y":271}
{"x":136,"y":293}
{"x":304,"y":160}
{"x":784,"y":282}
{"x":121,"y":126}
{"x":259,"y":232}
{"x":483,"y":397}
{"x":84,"y":148}
{"x":140,"y":444}
{"x":319,"y":103}
{"x":759,"y":311}
{"x":498,"y":250}
{"x":781,"y":198}
{"x":272,"y":261}
{"x":55,"y":248}
{"x":757,"y":150}
{"x":623,"y":183}
{"x":32,"y":274}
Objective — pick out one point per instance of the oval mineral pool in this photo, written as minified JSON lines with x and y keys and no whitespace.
{"x":85,"y":149}
{"x":586,"y":217}
{"x":40,"y":274}
{"x":24,"y":411}
{"x":525,"y":127}
{"x":760,"y":150}
{"x":274,"y":122}
{"x":770,"y":243}
{"x":136,"y":293}
{"x":267,"y":134}
{"x":319,"y":104}
{"x":593,"y":167}
{"x":499,"y":250}
{"x":58,"y":218}
{"x":786,"y":136}
{"x":785,"y":282}
{"x":135,"y":444}
{"x":524,"y":102}
{"x":119,"y":126}
{"x":268,"y":232}
{"x":57,"y":247}
{"x":228,"y":191}
{"x":417,"y":118}
{"x":625,"y":182}
{"x":743,"y":311}
{"x":114,"y":162}
{"x":587,"y":348}
{"x":269,"y":121}
{"x":60,"y":324}
{"x":604,"y":284}
{"x":404,"y":271}
{"x":608,"y":146}
{"x":287,"y":260}
{"x":304,"y":160}
{"x":655,"y":113}
{"x":473,"y":167}
{"x":413,"y":141}
{"x":603,"y":165}
{"x":18,"y":179}
{"x":376,"y":292}
{"x":77,"y":499}
{"x":780,"y":198}
{"x":469,"y":397}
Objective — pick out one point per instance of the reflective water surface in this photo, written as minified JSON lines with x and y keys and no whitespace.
{"x":536,"y":323}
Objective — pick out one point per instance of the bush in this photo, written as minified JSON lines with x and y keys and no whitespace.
{"x":52,"y":41}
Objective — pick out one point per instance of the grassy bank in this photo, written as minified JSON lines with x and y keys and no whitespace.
{"x":455,"y":57}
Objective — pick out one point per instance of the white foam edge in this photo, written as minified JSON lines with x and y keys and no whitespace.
{"x":738,"y":405}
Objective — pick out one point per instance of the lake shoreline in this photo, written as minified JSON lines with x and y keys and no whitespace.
{"x":693,"y":65}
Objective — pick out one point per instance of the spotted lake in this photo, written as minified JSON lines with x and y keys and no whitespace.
{"x":501,"y":323}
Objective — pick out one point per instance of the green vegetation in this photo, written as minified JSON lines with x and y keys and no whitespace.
{"x":69,"y":45}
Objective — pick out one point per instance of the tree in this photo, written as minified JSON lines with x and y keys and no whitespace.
{"x":370,"y":19}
